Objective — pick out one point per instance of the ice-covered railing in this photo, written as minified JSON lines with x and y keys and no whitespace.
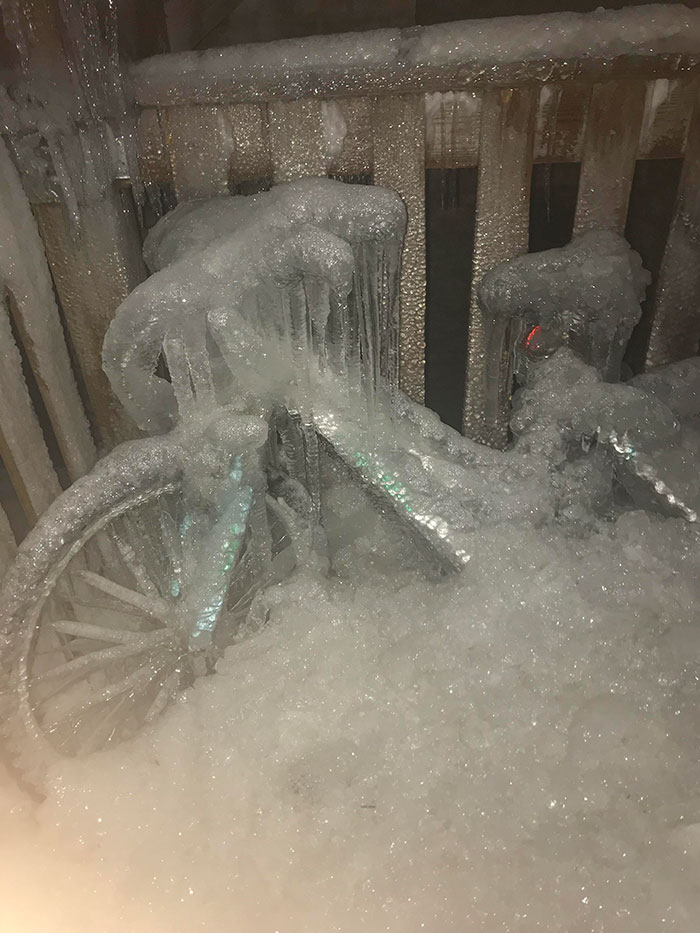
{"x":284,"y":283}
{"x":488,"y":50}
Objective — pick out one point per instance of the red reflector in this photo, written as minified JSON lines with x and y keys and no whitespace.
{"x":532,"y":333}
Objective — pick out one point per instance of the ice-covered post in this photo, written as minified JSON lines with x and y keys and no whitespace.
{"x":586,"y":296}
{"x":501,"y":232}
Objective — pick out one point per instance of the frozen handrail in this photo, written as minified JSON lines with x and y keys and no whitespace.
{"x":653,"y":41}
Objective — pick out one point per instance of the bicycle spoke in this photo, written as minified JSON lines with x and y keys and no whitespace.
{"x":131,"y":684}
{"x":96,"y":632}
{"x":150,"y":605}
{"x":163,"y":696}
{"x":96,"y":660}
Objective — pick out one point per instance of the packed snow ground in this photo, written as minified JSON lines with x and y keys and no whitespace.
{"x":515,"y":748}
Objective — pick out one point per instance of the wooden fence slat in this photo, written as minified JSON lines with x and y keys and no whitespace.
{"x":675,"y":332}
{"x":399,"y":163}
{"x":356,"y":157}
{"x":200,"y":142}
{"x":667,"y":112}
{"x":502,"y":222}
{"x":94,"y":270}
{"x":452,"y":123}
{"x":22,"y":444}
{"x":250,"y":158}
{"x":154,"y":160}
{"x":297,"y":140}
{"x":609,"y":154}
{"x":561,"y":120}
{"x":25,"y":278}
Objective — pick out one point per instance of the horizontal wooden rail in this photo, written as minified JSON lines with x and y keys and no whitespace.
{"x":653,"y":42}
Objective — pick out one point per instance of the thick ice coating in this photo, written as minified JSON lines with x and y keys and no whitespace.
{"x":391,"y":58}
{"x":268,"y":279}
{"x":585,"y":295}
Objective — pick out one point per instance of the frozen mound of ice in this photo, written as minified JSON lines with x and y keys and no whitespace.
{"x":586,"y":295}
{"x":569,"y":394}
{"x":677,"y":385}
{"x":307,"y":270}
{"x":567,"y":409}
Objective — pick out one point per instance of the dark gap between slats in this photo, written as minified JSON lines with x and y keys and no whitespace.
{"x":12,"y":506}
{"x":651,"y":206}
{"x":450,"y":208}
{"x":553,"y":193}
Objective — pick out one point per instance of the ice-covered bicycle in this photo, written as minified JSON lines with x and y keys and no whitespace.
{"x":261,"y":360}
{"x":264,"y":346}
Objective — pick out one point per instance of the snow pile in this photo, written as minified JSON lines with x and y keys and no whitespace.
{"x":514,"y":747}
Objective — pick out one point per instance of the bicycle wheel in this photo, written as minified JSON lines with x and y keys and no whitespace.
{"x":93,"y":642}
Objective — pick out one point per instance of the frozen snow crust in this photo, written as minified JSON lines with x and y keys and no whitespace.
{"x":513,"y":748}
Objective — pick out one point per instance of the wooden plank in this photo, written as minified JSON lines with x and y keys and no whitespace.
{"x":609,"y":154}
{"x":561,"y":120}
{"x":250,"y":158}
{"x":452,"y":121}
{"x":356,"y":156}
{"x":189,"y":23}
{"x":200,"y":143}
{"x":667,"y":112}
{"x":94,"y":270}
{"x":502,"y":221}
{"x":154,"y":160}
{"x":22,"y":446}
{"x":8,"y":545}
{"x":399,"y":163}
{"x":297,"y":142}
{"x":675,"y":331}
{"x":25,"y":277}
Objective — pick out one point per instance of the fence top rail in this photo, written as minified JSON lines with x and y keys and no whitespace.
{"x":650,"y":41}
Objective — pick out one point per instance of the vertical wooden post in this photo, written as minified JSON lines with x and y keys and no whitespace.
{"x":8,"y":545}
{"x":200,"y":142}
{"x":502,"y":224}
{"x":609,"y":154}
{"x":22,"y":445}
{"x":24,"y":274}
{"x":297,"y":143}
{"x":399,"y":163}
{"x":250,"y":159}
